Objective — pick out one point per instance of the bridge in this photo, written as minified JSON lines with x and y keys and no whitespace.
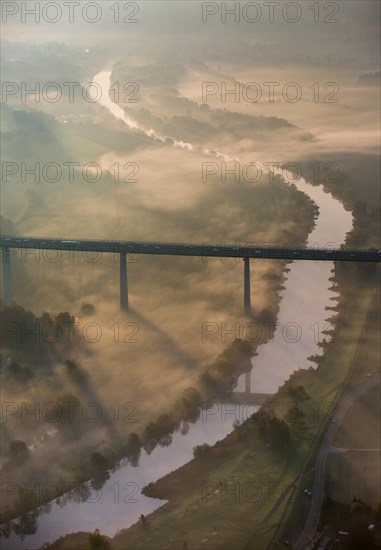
{"x":8,"y":243}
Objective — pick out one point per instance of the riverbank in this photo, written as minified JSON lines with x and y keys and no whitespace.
{"x":226,"y":369}
{"x":231,"y":496}
{"x":212,"y":380}
{"x":244,"y":469}
{"x":220,"y":500}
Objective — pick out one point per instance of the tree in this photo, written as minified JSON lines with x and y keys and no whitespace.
{"x":18,"y":452}
{"x":68,"y":406}
{"x":200,"y":451}
{"x":360,"y":209}
{"x":278,"y":433}
{"x":98,"y":460}
{"x":98,"y":541}
{"x":98,"y":464}
{"x":266,"y":316}
{"x":274,"y":430}
{"x":132,"y":448}
{"x":188,"y":407}
{"x":87,"y":309}
{"x":298,"y":393}
{"x":17,"y":377}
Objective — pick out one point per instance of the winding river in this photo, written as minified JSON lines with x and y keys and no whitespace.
{"x":301,"y":320}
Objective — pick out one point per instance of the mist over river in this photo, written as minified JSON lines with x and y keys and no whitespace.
{"x":301,"y":321}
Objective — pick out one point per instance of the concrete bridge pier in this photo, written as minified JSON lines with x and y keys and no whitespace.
{"x":246,"y":288}
{"x":7,"y":281}
{"x":248,"y":382}
{"x":123,"y":282}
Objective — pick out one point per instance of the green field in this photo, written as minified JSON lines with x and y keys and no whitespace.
{"x":354,"y":474}
{"x":361,"y":427}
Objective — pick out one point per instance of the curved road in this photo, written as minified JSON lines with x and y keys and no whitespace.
{"x":318,"y":487}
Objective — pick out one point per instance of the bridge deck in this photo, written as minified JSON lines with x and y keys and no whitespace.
{"x":191,"y":249}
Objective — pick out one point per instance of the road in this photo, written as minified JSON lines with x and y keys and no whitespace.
{"x":191,"y":249}
{"x":318,"y":487}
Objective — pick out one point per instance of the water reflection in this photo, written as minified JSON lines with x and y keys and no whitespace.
{"x":112,"y":500}
{"x":116,"y":502}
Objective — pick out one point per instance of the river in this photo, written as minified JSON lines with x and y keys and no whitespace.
{"x":300,"y":322}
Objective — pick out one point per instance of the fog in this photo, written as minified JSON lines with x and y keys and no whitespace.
{"x":169,"y":55}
